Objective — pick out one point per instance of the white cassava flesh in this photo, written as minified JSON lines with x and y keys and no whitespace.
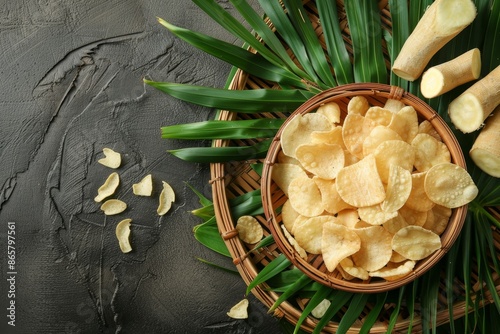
{"x":486,"y":149}
{"x":442,"y":21}
{"x":444,"y":77}
{"x":469,"y":110}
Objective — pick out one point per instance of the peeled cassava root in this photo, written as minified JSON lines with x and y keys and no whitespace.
{"x":442,"y":21}
{"x":444,"y":77}
{"x":469,"y":110}
{"x":486,"y":149}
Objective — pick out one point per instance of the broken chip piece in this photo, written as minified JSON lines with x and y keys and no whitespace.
{"x":113,"y":207}
{"x":111,"y":158}
{"x":143,"y":187}
{"x":167,"y":197}
{"x":108,"y":188}
{"x":123,"y":234}
{"x":240,"y":310}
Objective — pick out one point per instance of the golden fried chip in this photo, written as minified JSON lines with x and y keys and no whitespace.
{"x":405,"y":123}
{"x":398,"y":189}
{"x":394,"y":105}
{"x":359,"y":184}
{"x":449,"y":185}
{"x":240,"y":310}
{"x":350,"y":268}
{"x":285,"y":159}
{"x":393,"y":152}
{"x":298,"y":131}
{"x":167,"y":197}
{"x":418,"y":199}
{"x":395,"y":224}
{"x":398,"y":271}
{"x":144,"y":187}
{"x":429,"y":152}
{"x":415,"y":242}
{"x":437,"y":219}
{"x":397,"y":258}
{"x":284,"y":173}
{"x":334,"y":136}
{"x":249,"y":229}
{"x":374,"y":215}
{"x":331,"y":111}
{"x":337,"y":243}
{"x":301,"y":251}
{"x":426,"y":127}
{"x":288,"y":215}
{"x":348,"y":217}
{"x":377,"y":136}
{"x":309,"y":233}
{"x":379,"y":116}
{"x":323,"y":160}
{"x":305,"y":197}
{"x":108,"y":188}
{"x":358,"y":105}
{"x":111,"y":158}
{"x":113,"y":207}
{"x":122,"y":233}
{"x":376,"y":250}
{"x":330,"y":198}
{"x":354,"y":131}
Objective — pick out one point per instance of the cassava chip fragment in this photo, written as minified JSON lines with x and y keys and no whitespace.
{"x":377,"y":136}
{"x":358,"y":105}
{"x":319,"y":311}
{"x":305,"y":196}
{"x":122,"y":232}
{"x":108,"y":188}
{"x":354,"y":131}
{"x":429,"y":152}
{"x":331,"y":111}
{"x":437,"y":219}
{"x":359,"y":184}
{"x":415,"y":242}
{"x":426,"y":127}
{"x":350,"y":268}
{"x":449,"y":185}
{"x":334,"y":136}
{"x":418,"y":199}
{"x":288,"y":215}
{"x":249,"y":229}
{"x":113,"y":207}
{"x":240,"y":310}
{"x":309,"y":233}
{"x":393,"y":152}
{"x":323,"y":160}
{"x":413,"y":217}
{"x":143,"y":187}
{"x":405,"y":123}
{"x":298,"y":131}
{"x":376,"y":250}
{"x":330,"y":198}
{"x":337,"y":243}
{"x":111,"y":158}
{"x":394,"y":105}
{"x":374,"y":215}
{"x":167,"y":197}
{"x":398,"y":190}
{"x":301,"y":251}
{"x":392,"y":272}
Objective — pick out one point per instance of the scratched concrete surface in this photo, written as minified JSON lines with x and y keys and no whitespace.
{"x":71,"y":83}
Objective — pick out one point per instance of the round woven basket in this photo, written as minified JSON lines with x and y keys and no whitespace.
{"x":272,"y":197}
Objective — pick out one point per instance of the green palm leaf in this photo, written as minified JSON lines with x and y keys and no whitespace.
{"x":491,"y":46}
{"x":356,"y":306}
{"x":274,"y":267}
{"x":400,"y":32}
{"x":291,"y":290}
{"x":208,"y":235}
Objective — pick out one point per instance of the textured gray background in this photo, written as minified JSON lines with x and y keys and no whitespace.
{"x":71,"y":83}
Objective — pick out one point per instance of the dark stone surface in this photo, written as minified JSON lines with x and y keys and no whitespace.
{"x":72,"y":84}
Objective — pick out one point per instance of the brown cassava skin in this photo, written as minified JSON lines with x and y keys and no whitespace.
{"x":444,"y":77}
{"x":430,"y":35}
{"x":486,"y":149}
{"x":469,"y":110}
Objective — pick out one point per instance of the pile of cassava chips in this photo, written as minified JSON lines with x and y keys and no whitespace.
{"x":368,"y":192}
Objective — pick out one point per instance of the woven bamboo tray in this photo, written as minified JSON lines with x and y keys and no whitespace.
{"x":232,"y":179}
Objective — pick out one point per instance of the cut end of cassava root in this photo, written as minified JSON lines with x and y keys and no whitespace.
{"x":486,"y":149}
{"x":442,"y":21}
{"x":442,"y":78}
{"x":469,"y":110}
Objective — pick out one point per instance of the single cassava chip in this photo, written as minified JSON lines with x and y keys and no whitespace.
{"x":393,"y":152}
{"x":122,"y":233}
{"x":305,"y":197}
{"x":284,"y":173}
{"x":394,"y":105}
{"x":334,"y":136}
{"x":348,"y":217}
{"x":415,"y":242}
{"x":323,"y":160}
{"x":379,"y":116}
{"x":298,"y":131}
{"x":449,"y":185}
{"x":429,"y":152}
{"x":337,"y":243}
{"x":350,"y":268}
{"x":426,"y":127}
{"x":413,"y":217}
{"x":375,"y":215}
{"x":301,"y":251}
{"x":144,"y":187}
{"x":108,"y":188}
{"x":167,"y":197}
{"x":330,"y":198}
{"x":354,"y":131}
{"x":437,"y":219}
{"x":358,"y":105}
{"x":359,"y":184}
{"x":111,"y":158}
{"x":113,"y":207}
{"x":240,"y":310}
{"x":399,"y":187}
{"x":249,"y":229}
{"x":376,"y":250}
{"x":309,"y":233}
{"x":395,"y":224}
{"x":391,"y":272}
{"x":330,"y":110}
{"x":377,"y":136}
{"x":405,"y":123}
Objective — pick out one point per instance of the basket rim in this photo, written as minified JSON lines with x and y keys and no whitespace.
{"x":377,"y":90}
